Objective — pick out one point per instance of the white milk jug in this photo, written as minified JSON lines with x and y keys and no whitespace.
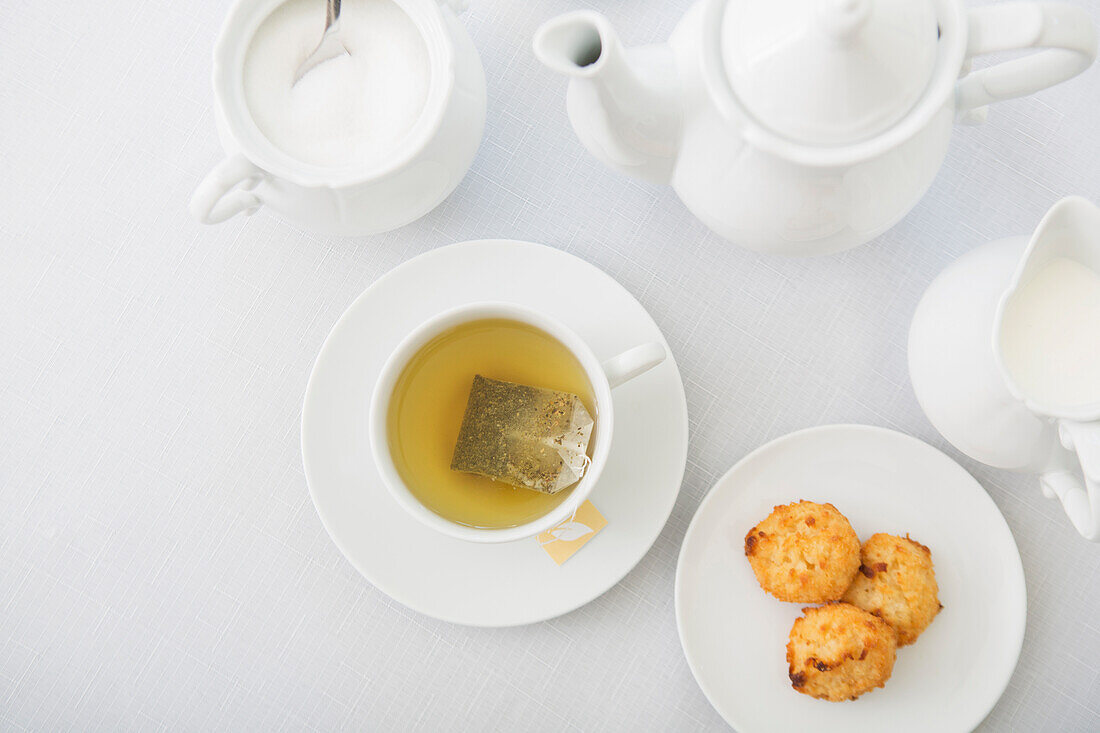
{"x":1004,"y":354}
{"x":361,"y":144}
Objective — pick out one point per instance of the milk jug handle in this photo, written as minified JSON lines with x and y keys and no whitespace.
{"x":1081,"y":502}
{"x":226,"y":191}
{"x":1065,"y":31}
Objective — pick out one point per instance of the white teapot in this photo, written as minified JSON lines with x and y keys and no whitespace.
{"x":1000,"y":353}
{"x":803,"y":126}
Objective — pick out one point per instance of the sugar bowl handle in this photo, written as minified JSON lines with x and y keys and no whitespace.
{"x":1080,"y":500}
{"x":1065,"y":31}
{"x":633,"y":363}
{"x":227,"y":190}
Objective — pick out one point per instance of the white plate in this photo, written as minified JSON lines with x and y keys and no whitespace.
{"x":514,"y":583}
{"x":735,"y":636}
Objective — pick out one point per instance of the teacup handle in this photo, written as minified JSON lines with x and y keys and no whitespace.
{"x":1081,"y":501}
{"x":1066,"y":31}
{"x":227,"y":191}
{"x":633,"y":363}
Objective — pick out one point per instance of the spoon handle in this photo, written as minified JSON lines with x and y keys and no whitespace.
{"x":332,"y":12}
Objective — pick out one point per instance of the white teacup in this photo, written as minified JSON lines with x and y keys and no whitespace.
{"x":602,"y":376}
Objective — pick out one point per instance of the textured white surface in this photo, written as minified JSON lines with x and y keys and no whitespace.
{"x":161,"y":565}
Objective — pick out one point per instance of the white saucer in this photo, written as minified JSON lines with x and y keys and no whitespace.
{"x":514,"y":583}
{"x":735,"y":636}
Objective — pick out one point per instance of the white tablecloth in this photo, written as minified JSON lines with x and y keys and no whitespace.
{"x":161,"y":564}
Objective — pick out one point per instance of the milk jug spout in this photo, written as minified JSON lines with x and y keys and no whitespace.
{"x":1071,"y":230}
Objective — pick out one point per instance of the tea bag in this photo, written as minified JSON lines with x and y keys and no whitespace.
{"x":529,"y":437}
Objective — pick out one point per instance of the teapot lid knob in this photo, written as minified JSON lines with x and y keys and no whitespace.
{"x":843,"y":18}
{"x":829,"y":72}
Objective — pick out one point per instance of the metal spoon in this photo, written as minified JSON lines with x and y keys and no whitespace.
{"x":330,"y":46}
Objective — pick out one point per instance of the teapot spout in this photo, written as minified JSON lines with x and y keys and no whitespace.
{"x":624,"y":105}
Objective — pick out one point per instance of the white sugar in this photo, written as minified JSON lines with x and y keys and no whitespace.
{"x":351,"y":111}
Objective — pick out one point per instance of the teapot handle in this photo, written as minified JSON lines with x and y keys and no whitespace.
{"x":1081,"y":501}
{"x":1065,"y":31}
{"x":226,"y":191}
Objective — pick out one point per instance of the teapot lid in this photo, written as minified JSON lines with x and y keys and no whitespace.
{"x":828,"y":72}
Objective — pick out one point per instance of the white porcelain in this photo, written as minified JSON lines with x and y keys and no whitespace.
{"x":825,"y":151}
{"x":475,"y":583}
{"x":422,"y":171}
{"x":881,"y":51}
{"x":967,"y":394}
{"x":603,"y":378}
{"x":734,"y":635}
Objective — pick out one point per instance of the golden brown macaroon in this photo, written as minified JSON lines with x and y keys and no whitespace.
{"x":838,"y":652}
{"x":896,"y":582}
{"x":804,"y":553}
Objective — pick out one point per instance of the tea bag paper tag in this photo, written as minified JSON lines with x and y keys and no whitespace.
{"x":571,"y":447}
{"x":563,"y":541}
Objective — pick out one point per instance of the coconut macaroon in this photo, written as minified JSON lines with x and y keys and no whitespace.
{"x":896,"y":582}
{"x":838,"y":652}
{"x":804,"y":553}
